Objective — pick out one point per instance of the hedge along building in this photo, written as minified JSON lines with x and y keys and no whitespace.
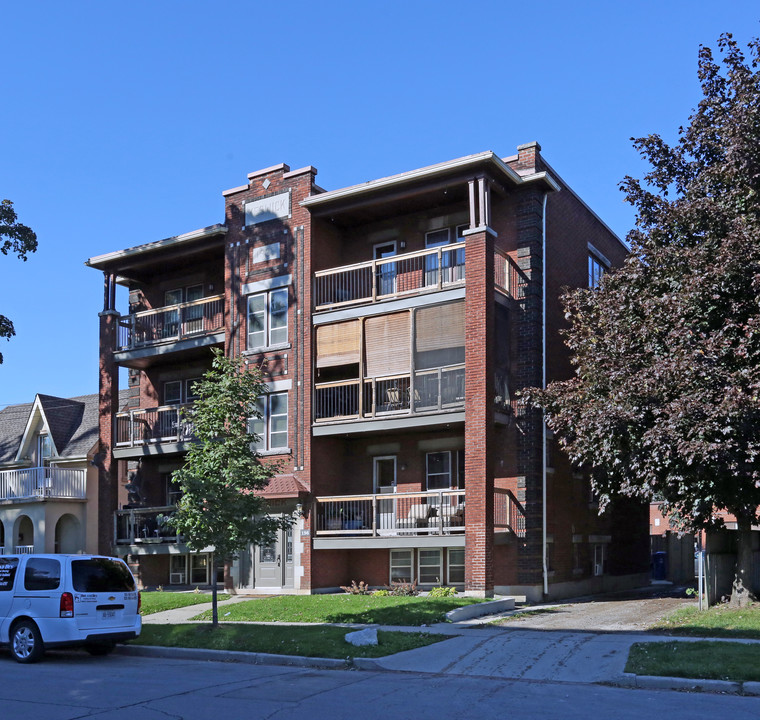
{"x":398,"y":321}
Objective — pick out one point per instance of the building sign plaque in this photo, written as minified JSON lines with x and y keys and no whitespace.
{"x":268,"y":208}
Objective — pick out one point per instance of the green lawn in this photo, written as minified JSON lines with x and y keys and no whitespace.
{"x":153,"y":602}
{"x":719,"y":621}
{"x":699,"y":660}
{"x":326,"y":642}
{"x":342,"y":609}
{"x":703,"y":659}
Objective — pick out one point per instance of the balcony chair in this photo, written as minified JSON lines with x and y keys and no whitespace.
{"x":418,"y":517}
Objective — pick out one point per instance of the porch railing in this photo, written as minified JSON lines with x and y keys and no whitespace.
{"x":152,"y":425}
{"x":144,"y":525}
{"x":508,"y":512}
{"x":391,"y":514}
{"x":422,"y":271}
{"x":436,"y":389}
{"x":42,"y":482}
{"x":171,"y":323}
{"x":23,"y":550}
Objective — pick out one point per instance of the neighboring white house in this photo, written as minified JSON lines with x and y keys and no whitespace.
{"x":48,"y":484}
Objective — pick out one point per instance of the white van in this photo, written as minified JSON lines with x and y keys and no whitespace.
{"x":66,"y":600}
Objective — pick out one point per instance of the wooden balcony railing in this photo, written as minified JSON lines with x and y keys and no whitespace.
{"x":144,"y":525}
{"x":42,"y":482}
{"x":171,"y":323}
{"x":152,"y":425}
{"x":422,"y":271}
{"x":436,"y":389}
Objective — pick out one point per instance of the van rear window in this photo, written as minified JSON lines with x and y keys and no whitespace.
{"x":101,"y":575}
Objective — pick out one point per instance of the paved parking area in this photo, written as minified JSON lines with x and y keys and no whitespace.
{"x":631,"y":611}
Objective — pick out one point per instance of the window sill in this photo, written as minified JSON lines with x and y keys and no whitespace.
{"x":275,"y":451}
{"x":267,"y":348}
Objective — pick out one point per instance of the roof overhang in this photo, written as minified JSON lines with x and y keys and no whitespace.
{"x":482,"y":163}
{"x":115,"y":260}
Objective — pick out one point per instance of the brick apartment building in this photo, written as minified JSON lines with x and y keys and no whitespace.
{"x":398,"y":321}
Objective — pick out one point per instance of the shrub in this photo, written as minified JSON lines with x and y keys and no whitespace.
{"x":361,"y":589}
{"x":381,"y":593}
{"x":402,"y":589}
{"x":442,"y":592}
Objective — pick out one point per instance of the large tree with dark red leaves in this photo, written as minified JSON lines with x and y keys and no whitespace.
{"x":14,"y":238}
{"x":665,"y":402}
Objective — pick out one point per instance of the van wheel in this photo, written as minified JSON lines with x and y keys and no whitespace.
{"x":26,"y":642}
{"x":99,"y":648}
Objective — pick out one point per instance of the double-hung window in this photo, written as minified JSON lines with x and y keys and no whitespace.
{"x":272,"y":425}
{"x":445,"y":470}
{"x":268,"y":318}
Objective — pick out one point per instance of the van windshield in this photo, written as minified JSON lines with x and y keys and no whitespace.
{"x":101,"y":575}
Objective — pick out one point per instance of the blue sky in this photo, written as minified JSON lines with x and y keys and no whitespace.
{"x":123,"y":123}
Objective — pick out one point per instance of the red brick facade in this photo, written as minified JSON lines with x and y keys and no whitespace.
{"x":369,"y":413}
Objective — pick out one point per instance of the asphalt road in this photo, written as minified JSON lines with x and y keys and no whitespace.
{"x":71,"y":684}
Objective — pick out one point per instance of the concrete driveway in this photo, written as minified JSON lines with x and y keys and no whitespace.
{"x":630,"y":611}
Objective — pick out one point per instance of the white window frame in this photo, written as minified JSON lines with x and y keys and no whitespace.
{"x":184,"y":395}
{"x":178,"y":567}
{"x":196,"y":557}
{"x":268,"y":332}
{"x":438,"y":579}
{"x":430,"y":243}
{"x":600,"y":559}
{"x":172,"y":383}
{"x":375,"y":461}
{"x":264,"y":429}
{"x":173,"y":491}
{"x":396,"y":563}
{"x":596,"y":268}
{"x":449,"y":485}
{"x":450,"y":564}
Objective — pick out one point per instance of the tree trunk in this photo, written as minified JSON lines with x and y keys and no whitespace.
{"x":741,"y":593}
{"x":214,"y":608}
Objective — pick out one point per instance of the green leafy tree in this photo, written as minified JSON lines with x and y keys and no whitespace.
{"x":665,"y":402}
{"x":14,"y":238}
{"x":219,"y":506}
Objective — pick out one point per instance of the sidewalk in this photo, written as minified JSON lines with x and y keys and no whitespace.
{"x":475,"y":650}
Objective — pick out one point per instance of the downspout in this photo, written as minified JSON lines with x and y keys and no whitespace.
{"x":543,"y":385}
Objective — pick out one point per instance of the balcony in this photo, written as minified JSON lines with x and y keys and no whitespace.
{"x":199,"y":322}
{"x":145,"y":526}
{"x":43,"y":483}
{"x":434,"y":517}
{"x":411,"y":273}
{"x":434,"y":390}
{"x":165,"y":424}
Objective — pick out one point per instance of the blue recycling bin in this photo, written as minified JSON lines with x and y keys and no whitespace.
{"x":660,"y":565}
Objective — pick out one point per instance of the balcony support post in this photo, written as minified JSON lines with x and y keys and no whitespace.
{"x":479,"y":442}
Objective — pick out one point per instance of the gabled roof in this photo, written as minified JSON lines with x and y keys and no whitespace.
{"x":71,"y":422}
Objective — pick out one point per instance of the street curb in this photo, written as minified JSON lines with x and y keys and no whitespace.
{"x":249,"y":658}
{"x":656,"y":682}
{"x":491,"y":607}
